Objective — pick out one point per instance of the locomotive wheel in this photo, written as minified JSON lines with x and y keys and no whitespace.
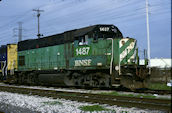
{"x":88,"y":80}
{"x":97,"y":80}
{"x":78,"y":79}
{"x":130,"y":83}
{"x":31,"y":78}
{"x":19,"y":78}
{"x":69,"y":80}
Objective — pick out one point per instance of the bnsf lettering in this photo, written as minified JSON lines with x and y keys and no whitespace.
{"x":86,"y":62}
{"x":104,"y":28}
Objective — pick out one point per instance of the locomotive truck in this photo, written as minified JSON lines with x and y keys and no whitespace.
{"x":93,"y":56}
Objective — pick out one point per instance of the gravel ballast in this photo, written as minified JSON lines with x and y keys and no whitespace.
{"x":19,"y":103}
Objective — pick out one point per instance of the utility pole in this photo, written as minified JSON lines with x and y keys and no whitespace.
{"x":38,"y":15}
{"x":148,"y":38}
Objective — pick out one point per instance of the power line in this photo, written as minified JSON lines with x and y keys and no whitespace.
{"x":111,"y":12}
{"x":103,"y":13}
{"x":118,"y":7}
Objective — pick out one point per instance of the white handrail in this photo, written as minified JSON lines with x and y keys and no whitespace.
{"x":111,"y":62}
{"x":3,"y":68}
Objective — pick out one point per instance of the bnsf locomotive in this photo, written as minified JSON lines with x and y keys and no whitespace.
{"x":94,"y":56}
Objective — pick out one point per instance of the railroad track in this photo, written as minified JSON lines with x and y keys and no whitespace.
{"x":145,"y":103}
{"x":146,"y":91}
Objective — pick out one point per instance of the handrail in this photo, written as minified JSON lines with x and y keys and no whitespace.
{"x":111,"y":62}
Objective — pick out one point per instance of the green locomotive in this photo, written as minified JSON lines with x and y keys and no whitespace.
{"x":94,"y":56}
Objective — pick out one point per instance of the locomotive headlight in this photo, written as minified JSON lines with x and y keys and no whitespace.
{"x":116,"y":68}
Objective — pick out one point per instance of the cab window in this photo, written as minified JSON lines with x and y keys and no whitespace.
{"x":83,"y":40}
{"x":21,"y":60}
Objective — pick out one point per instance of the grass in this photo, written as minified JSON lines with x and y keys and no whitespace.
{"x":93,"y":108}
{"x":145,"y":96}
{"x":53,"y":103}
{"x":111,"y":93}
{"x":128,"y":95}
{"x":159,"y":86}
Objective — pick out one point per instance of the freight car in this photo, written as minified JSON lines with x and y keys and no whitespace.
{"x":94,"y":56}
{"x":8,"y":61}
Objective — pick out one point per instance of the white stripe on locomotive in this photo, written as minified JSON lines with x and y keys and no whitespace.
{"x":127,"y":49}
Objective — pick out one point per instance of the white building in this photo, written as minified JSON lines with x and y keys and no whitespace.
{"x":159,"y":62}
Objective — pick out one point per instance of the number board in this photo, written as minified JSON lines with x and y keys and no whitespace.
{"x":82,"y":51}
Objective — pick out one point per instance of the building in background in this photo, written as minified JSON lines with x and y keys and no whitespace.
{"x":160,"y":69}
{"x":159,"y":63}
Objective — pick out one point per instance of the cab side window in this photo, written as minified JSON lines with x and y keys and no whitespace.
{"x":95,"y":37}
{"x":83,"y":40}
{"x":21,"y":60}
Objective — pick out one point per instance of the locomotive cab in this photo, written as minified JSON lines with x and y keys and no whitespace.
{"x":104,"y":50}
{"x":91,"y":44}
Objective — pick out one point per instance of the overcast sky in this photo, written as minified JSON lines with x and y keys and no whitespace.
{"x":61,"y":15}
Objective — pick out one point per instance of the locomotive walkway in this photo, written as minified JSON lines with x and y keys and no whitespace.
{"x":144,"y":103}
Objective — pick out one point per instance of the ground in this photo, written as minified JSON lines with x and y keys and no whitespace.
{"x":18,"y":103}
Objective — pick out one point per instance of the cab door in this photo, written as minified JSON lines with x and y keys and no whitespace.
{"x":68,"y":47}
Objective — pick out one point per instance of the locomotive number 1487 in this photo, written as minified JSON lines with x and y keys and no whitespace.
{"x":82,"y":51}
